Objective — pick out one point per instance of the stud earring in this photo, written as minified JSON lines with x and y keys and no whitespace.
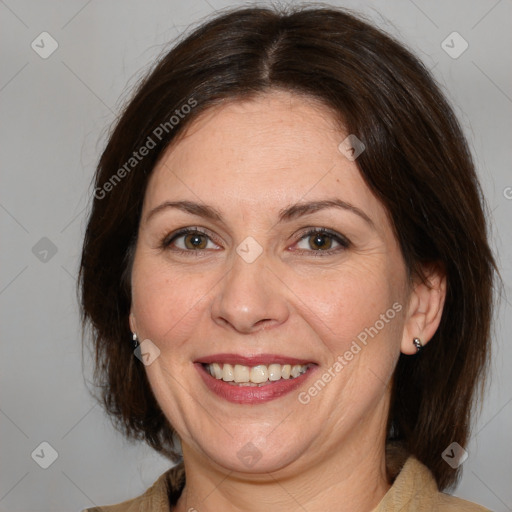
{"x":417,"y":344}
{"x":135,"y":341}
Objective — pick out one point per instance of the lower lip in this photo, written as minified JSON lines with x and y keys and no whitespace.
{"x":252,"y":394}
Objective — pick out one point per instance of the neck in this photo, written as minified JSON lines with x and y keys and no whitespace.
{"x":350,"y":479}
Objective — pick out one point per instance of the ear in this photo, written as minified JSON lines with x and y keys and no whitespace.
{"x":426,"y":303}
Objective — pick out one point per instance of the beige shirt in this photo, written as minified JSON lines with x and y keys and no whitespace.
{"x":414,"y":490}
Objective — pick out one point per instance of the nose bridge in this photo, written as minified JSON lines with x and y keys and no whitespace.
{"x":248,"y":298}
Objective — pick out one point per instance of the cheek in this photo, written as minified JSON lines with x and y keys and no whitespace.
{"x":164,"y":303}
{"x":343,"y":302}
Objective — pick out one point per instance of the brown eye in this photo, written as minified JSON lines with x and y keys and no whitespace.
{"x":189,"y":240}
{"x":195,"y":241}
{"x":320,"y":241}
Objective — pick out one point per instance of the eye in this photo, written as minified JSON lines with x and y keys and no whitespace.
{"x":322,"y":240}
{"x":189,"y":240}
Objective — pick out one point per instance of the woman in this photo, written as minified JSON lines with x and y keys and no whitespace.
{"x":288,"y":227}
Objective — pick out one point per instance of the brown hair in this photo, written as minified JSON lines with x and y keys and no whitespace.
{"x":416,"y":162}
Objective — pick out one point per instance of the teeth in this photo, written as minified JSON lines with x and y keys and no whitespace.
{"x":216,"y":371}
{"x":259,"y":374}
{"x":228,"y":374}
{"x":241,"y":373}
{"x":274,"y":372}
{"x":295,"y":370}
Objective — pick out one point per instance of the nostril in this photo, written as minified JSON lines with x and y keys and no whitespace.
{"x":265,"y":320}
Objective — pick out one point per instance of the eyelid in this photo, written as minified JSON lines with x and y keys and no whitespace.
{"x":168,"y":239}
{"x":342,"y":240}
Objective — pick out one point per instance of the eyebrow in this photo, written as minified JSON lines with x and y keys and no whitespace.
{"x":201,"y":210}
{"x":300,"y":209}
{"x":286,"y":214}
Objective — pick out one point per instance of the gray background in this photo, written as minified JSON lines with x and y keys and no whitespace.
{"x":54,"y":117}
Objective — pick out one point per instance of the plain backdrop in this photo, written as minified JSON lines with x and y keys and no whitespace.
{"x":55,"y":112}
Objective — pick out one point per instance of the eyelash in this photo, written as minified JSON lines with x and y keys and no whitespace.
{"x":340,"y":239}
{"x":343,"y":242}
{"x":169,"y":239}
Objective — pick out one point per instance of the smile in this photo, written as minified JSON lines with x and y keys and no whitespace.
{"x":253,"y":380}
{"x":255,"y":375}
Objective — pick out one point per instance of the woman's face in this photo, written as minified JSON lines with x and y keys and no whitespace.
{"x":290,"y":260}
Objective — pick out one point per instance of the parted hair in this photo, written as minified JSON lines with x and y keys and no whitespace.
{"x":416,"y":162}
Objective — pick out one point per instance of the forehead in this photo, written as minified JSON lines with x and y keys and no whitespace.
{"x":276,"y":149}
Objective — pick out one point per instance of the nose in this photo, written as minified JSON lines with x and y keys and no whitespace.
{"x":250,"y":298}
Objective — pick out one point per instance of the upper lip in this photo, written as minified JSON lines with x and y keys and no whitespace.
{"x":255,"y":360}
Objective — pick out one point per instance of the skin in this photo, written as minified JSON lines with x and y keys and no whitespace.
{"x":249,"y":160}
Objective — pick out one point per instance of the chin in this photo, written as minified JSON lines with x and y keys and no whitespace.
{"x":254,"y":454}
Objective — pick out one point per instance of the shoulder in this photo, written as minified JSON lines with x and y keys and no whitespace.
{"x":415,"y":490}
{"x":447,"y":503}
{"x":158,"y":498}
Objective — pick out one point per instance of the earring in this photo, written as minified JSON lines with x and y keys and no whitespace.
{"x":135,"y":341}
{"x":417,"y":344}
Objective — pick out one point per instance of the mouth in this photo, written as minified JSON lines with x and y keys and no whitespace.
{"x":255,"y":379}
{"x":259,"y":375}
